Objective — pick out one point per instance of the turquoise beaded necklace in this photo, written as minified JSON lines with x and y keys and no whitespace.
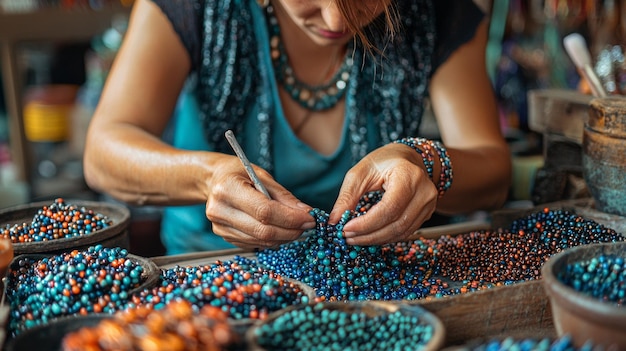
{"x":314,"y":98}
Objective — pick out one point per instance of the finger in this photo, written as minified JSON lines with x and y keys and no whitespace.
{"x":237,"y":222}
{"x":398,"y":198}
{"x":301,"y":215}
{"x":239,"y":195}
{"x":264,"y":236}
{"x":263,"y":225}
{"x":351,"y":191}
{"x":244,"y":241}
{"x":276,"y":214}
{"x":388,"y":234}
{"x":286,"y":198}
{"x":379,"y":232}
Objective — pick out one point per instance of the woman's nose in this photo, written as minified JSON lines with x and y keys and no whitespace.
{"x":332,"y":17}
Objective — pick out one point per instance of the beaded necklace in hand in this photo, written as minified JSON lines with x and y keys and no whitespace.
{"x":314,"y":98}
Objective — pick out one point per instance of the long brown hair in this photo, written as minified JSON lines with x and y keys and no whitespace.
{"x":386,"y":24}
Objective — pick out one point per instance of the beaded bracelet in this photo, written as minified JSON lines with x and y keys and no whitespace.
{"x":425,"y":148}
{"x":445,"y":174}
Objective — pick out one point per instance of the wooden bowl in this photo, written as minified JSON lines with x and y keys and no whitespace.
{"x":149,"y":278}
{"x":51,"y":334}
{"x":241,"y":326}
{"x":116,"y":235}
{"x":581,"y":315}
{"x":6,"y":256}
{"x":370,"y":308}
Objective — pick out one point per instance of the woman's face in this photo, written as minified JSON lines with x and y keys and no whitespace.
{"x":322,"y":21}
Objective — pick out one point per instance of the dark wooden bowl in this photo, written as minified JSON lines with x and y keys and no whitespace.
{"x":116,"y":235}
{"x":578,"y":314}
{"x":370,"y":308}
{"x":50,"y":336}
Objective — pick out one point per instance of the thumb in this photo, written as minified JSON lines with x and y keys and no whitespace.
{"x":348,"y":198}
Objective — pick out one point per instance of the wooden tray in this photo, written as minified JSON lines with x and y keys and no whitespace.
{"x":520,"y":309}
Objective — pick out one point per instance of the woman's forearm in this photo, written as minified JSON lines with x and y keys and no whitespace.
{"x":481,"y":180}
{"x":141,"y":169}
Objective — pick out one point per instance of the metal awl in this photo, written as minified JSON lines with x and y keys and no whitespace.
{"x":230,"y":136}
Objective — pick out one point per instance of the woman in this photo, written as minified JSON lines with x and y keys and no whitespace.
{"x":326,"y":98}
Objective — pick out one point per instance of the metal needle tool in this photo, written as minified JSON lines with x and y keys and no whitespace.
{"x":230,"y":136}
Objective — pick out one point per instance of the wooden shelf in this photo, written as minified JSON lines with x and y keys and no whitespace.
{"x":59,"y":25}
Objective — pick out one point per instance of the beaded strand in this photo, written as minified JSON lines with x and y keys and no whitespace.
{"x":313,"y":98}
{"x":426,"y":149}
{"x":445,"y":174}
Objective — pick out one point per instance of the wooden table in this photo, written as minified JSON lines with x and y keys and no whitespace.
{"x":520,"y":309}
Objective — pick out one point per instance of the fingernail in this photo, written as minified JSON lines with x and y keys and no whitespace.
{"x":308,"y":225}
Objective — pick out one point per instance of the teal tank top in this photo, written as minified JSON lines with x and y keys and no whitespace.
{"x":312,"y":177}
{"x":234,"y":89}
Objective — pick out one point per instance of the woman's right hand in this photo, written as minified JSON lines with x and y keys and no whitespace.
{"x":244,"y":216}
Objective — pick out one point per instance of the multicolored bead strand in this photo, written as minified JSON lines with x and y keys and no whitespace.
{"x":426,"y":149}
{"x":314,"y":98}
{"x":445,"y":173}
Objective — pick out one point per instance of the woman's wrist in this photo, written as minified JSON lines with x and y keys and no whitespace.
{"x":427,"y":149}
{"x":423,"y":149}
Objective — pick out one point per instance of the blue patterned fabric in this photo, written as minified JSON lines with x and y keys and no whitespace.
{"x":233,"y":87}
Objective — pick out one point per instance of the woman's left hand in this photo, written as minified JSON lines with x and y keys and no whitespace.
{"x":410,"y":196}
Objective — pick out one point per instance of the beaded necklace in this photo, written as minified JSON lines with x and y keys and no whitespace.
{"x":231,"y":77}
{"x":315,"y":98}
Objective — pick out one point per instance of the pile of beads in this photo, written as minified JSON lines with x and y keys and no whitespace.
{"x":176,"y":327}
{"x":239,"y":287}
{"x":317,"y":327}
{"x":341,"y":272}
{"x":428,"y":268}
{"x":563,"y":343}
{"x":602,"y":277}
{"x":516,"y":254}
{"x":79,"y":282}
{"x":56,"y":221}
